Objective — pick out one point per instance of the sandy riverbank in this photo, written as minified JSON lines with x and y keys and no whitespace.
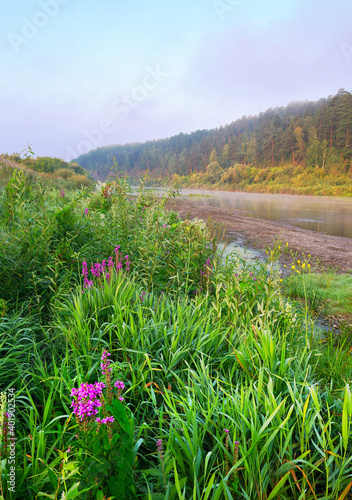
{"x":328,"y":251}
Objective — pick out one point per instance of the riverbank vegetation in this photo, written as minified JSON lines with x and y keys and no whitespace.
{"x":286,"y":179}
{"x":53,"y":172}
{"x":145,"y":366}
{"x":324,"y":291}
{"x":303,"y":148}
{"x":329,"y":292}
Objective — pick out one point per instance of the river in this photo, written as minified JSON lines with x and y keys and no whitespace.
{"x":321,"y":214}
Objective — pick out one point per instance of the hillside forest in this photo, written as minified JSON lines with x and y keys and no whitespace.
{"x":303,"y":148}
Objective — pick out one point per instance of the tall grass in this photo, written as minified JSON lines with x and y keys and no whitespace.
{"x":228,"y":394}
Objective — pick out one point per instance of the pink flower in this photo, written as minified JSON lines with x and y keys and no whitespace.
{"x":107,"y":419}
{"x":86,"y":211}
{"x":119,"y":384}
{"x":120,"y":387}
{"x":128,"y":263}
{"x":105,"y":362}
{"x":87,"y":399}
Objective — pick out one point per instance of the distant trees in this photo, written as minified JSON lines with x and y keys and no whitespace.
{"x":309,"y":134}
{"x":48,"y":165}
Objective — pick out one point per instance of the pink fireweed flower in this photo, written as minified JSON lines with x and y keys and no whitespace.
{"x":107,"y":419}
{"x":120,"y":387}
{"x":104,"y":420}
{"x":62,"y":194}
{"x":87,"y":400}
{"x":87,"y":283}
{"x":117,"y":257}
{"x":86,"y":211}
{"x":84,"y":269}
{"x":105,"y":362}
{"x":208,"y":263}
{"x":159,"y":447}
{"x":97,"y":270}
{"x":128,"y":263}
{"x":106,"y":370}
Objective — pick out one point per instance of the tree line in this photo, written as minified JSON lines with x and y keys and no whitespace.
{"x":307,"y":134}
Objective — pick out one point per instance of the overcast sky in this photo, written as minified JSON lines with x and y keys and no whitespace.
{"x":77,"y":74}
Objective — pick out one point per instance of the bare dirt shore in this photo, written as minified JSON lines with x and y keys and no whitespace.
{"x":328,"y":252}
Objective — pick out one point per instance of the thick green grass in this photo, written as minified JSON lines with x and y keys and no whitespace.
{"x":330,"y":291}
{"x":201,"y":346}
{"x":192,"y":369}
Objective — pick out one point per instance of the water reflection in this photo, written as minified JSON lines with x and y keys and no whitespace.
{"x":322,"y":214}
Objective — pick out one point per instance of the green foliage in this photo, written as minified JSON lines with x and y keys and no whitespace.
{"x":330,"y":290}
{"x":234,"y":355}
{"x":53,"y":172}
{"x":48,"y":165}
{"x":214,"y":172}
{"x":45,"y":238}
{"x":195,"y":368}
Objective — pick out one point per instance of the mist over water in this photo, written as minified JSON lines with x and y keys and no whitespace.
{"x":321,"y":214}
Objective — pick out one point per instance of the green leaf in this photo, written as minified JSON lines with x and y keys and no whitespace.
{"x":279,"y":486}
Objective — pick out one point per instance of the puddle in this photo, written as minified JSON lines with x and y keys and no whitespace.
{"x":236,"y":243}
{"x":252,"y":257}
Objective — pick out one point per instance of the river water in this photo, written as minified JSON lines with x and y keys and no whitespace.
{"x":322,"y":214}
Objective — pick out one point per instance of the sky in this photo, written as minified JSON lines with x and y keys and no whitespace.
{"x":81,"y":74}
